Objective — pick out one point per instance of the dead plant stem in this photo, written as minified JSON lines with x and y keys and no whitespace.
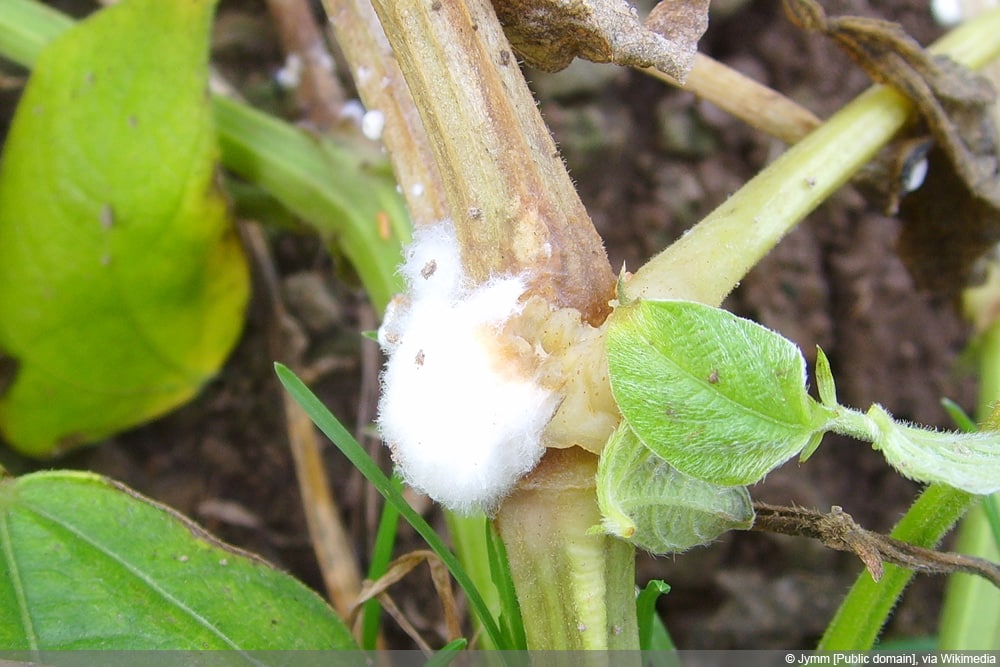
{"x":512,"y":201}
{"x":317,"y":90}
{"x":752,"y":102}
{"x":337,"y":561}
{"x":381,"y":86}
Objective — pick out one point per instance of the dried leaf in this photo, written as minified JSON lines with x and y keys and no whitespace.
{"x":395,"y":572}
{"x":949,"y":228}
{"x":682,"y":22}
{"x":953,"y":219}
{"x":548,"y":34}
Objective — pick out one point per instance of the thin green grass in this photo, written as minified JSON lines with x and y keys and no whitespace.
{"x":356,"y":454}
{"x":510,"y":611}
{"x":385,"y":541}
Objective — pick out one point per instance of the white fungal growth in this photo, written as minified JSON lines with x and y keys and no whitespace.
{"x":290,"y":75}
{"x":460,"y":408}
{"x":947,"y":12}
{"x":372,"y":124}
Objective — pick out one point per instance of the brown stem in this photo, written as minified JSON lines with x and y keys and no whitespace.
{"x":318,"y":92}
{"x":381,"y":86}
{"x":513,"y":204}
{"x":754,"y":103}
{"x":837,"y":530}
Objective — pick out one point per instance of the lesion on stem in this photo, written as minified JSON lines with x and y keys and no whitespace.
{"x":512,"y":202}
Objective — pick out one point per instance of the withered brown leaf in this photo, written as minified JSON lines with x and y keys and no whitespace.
{"x":548,"y":34}
{"x":952,"y":220}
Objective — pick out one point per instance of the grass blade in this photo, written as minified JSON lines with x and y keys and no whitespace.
{"x":358,"y":457}
{"x":510,"y":615}
{"x":385,"y":540}
{"x":864,"y":611}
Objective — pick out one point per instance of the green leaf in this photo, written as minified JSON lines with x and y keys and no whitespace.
{"x":122,"y":280}
{"x":646,"y":501}
{"x":26,"y":26}
{"x":346,"y":193}
{"x":720,"y":398}
{"x":824,"y":380}
{"x":448,"y":653}
{"x":86,"y":563}
{"x":962,"y":420}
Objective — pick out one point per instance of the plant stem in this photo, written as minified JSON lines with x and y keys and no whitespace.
{"x":516,"y":211}
{"x":577,"y":591}
{"x":861,"y":615}
{"x":709,"y":261}
{"x":381,"y":87}
{"x":513,"y":204}
{"x":747,"y":99}
{"x":318,"y":92}
{"x":970,"y":617}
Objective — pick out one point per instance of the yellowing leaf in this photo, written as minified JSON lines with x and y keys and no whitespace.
{"x":122,"y":281}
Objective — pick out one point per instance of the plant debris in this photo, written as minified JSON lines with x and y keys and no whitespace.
{"x":396,"y":571}
{"x":838,"y":530}
{"x":952,"y":218}
{"x":549,"y":34}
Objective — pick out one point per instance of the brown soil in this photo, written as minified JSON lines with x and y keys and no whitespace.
{"x":650,"y":161}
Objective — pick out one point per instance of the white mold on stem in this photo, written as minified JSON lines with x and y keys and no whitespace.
{"x":461,"y":407}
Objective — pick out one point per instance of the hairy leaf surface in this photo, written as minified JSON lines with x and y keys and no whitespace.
{"x":648,"y":502}
{"x":720,"y":398}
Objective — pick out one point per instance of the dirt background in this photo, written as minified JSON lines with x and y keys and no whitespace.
{"x":650,"y":161}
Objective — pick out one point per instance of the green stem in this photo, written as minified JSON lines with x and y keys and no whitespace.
{"x":709,"y":261}
{"x":861,"y":615}
{"x":577,"y":591}
{"x":467,"y":536}
{"x":970,"y":617}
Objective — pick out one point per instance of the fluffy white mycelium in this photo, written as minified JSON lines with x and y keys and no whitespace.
{"x":460,"y":408}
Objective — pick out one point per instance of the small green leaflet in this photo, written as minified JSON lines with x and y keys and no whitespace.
{"x":721,"y":398}
{"x":647,"y":502}
{"x":724,"y":400}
